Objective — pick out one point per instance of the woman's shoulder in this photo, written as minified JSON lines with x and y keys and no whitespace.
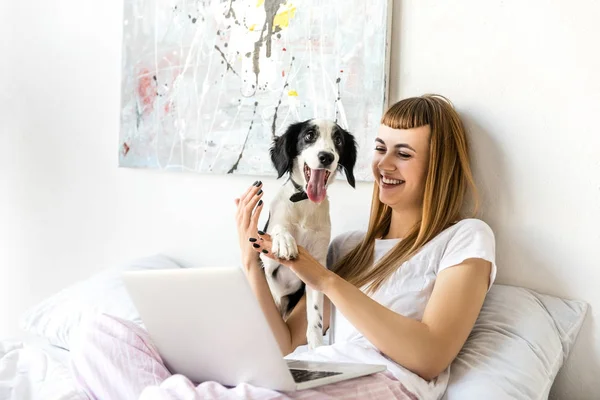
{"x":467,"y":235}
{"x":461,"y":233}
{"x":470,"y":227}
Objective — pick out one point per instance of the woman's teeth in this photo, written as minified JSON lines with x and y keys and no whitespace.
{"x":391,"y":181}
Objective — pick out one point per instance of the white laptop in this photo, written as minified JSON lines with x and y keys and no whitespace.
{"x":207,"y":325}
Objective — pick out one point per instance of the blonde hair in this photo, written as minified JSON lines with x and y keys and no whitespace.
{"x":448,"y":181}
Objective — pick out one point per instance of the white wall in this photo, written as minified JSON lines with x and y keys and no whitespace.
{"x":521,"y":73}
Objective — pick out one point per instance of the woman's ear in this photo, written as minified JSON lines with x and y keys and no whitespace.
{"x":285,"y":149}
{"x":348,"y":156}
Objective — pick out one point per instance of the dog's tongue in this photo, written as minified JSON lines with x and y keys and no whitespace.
{"x":316,"y":185}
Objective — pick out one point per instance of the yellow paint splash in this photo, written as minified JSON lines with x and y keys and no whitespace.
{"x":282,"y":19}
{"x":252,"y":27}
{"x":293,"y":93}
{"x":260,"y":3}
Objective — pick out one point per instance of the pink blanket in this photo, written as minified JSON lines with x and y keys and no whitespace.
{"x":115,"y":359}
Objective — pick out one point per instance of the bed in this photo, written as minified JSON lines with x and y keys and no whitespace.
{"x":519,"y":344}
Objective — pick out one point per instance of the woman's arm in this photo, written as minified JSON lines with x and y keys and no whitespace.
{"x":428,"y":346}
{"x":425,"y":347}
{"x":258,"y":283}
{"x":290,"y":333}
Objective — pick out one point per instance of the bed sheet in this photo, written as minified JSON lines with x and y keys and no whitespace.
{"x":35,"y":370}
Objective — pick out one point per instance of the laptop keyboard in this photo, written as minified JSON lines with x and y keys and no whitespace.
{"x":303,"y":375}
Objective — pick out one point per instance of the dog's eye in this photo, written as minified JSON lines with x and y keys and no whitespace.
{"x":309,"y":136}
{"x":337,"y":140}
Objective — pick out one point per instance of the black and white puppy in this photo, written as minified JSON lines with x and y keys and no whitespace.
{"x":310,"y":153}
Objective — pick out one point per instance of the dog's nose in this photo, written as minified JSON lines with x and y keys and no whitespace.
{"x":326,"y":158}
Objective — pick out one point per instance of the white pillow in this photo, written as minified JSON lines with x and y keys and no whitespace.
{"x":518,"y":344}
{"x":57,"y":317}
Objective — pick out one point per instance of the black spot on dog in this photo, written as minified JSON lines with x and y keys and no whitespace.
{"x":346,"y":146}
{"x":293,"y":299}
{"x":319,"y":325}
{"x":316,"y":307}
{"x":275,"y":271}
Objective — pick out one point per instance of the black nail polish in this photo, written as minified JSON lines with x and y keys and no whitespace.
{"x":261,"y":233}
{"x":252,"y":239}
{"x":256,"y":246}
{"x":259,"y":183}
{"x":264,"y":251}
{"x":259,"y":192}
{"x":260,"y":203}
{"x":255,"y":183}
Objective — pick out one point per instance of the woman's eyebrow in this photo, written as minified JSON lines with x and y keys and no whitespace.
{"x":398,"y":146}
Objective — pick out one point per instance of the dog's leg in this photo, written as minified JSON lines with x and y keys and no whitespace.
{"x":314,"y":314}
{"x":314,"y":299}
{"x":282,"y":283}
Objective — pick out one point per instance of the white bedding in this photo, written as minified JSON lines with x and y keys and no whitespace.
{"x":32,"y":370}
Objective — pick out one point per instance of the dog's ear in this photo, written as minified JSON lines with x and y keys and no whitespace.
{"x":348,"y":156}
{"x":285,"y":149}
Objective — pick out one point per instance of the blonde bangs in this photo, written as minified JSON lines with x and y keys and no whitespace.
{"x":407,"y":114}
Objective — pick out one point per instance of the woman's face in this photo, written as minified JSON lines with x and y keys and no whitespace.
{"x":400,"y":164}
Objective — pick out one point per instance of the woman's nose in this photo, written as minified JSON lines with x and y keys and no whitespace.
{"x":386,"y":164}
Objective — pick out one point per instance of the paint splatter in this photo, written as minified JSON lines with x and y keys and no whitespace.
{"x":282,"y":19}
{"x":293,"y":93}
{"x":146,"y":90}
{"x":229,"y":66}
{"x":125,"y":149}
{"x":237,"y":163}
{"x":274,"y":124}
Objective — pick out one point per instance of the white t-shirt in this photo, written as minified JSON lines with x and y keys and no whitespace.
{"x":406,"y":292}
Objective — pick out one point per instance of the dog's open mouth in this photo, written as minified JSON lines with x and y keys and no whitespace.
{"x":316,"y":182}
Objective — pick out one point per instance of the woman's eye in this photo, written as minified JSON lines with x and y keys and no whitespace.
{"x":380,"y":149}
{"x":404,"y":155}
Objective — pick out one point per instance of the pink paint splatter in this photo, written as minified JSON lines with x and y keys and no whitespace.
{"x":146,"y":90}
{"x":125,"y":149}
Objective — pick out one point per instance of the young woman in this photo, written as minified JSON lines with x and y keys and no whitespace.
{"x":406,"y":293}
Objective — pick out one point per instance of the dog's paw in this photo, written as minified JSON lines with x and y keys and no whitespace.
{"x":314,"y":336}
{"x":284,"y":246}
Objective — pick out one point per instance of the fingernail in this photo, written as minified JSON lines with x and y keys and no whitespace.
{"x":259,"y":192}
{"x":264,"y":251}
{"x":260,"y":203}
{"x":261,"y":233}
{"x":252,"y":239}
{"x":259,"y":183}
{"x":256,"y":246}
{"x":255,"y":183}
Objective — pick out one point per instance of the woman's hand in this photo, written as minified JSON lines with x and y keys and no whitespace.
{"x":306,"y":267}
{"x":249,"y":205}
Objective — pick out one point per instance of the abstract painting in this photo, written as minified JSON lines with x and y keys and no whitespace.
{"x":207,"y":84}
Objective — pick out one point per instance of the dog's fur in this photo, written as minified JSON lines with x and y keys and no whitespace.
{"x":295,"y":219}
